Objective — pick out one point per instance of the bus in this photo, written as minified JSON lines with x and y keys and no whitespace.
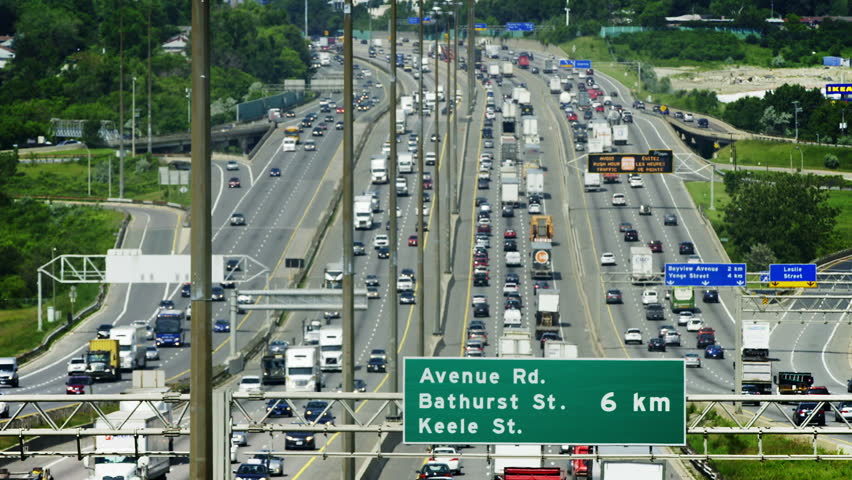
{"x":274,"y":369}
{"x":683,"y":299}
{"x":292,"y":132}
{"x":168,"y":328}
{"x":794,"y":383}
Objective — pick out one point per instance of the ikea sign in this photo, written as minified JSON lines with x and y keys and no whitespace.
{"x":838,"y":89}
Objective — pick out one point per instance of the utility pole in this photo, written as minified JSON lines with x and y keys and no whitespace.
{"x":712,"y":186}
{"x":133,"y":119}
{"x":393,"y":306}
{"x":454,"y":194}
{"x":121,"y":100}
{"x":471,"y":63}
{"x":201,"y":459}
{"x":348,"y":463}
{"x":449,"y":99}
{"x":438,"y":161}
{"x":738,"y":353}
{"x":419,"y":340}
{"x":150,"y":80}
{"x":306,"y":18}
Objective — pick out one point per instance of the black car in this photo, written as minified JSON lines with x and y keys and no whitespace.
{"x":613,"y":296}
{"x":300,"y":440}
{"x":703,"y":123}
{"x":278,"y":408}
{"x":406,"y":298}
{"x":371,"y":280}
{"x":714,"y":351}
{"x":480,"y":280}
{"x":377,"y":365}
{"x":510,"y":245}
{"x":686,"y":248}
{"x":705,"y":340}
{"x":481,"y":200}
{"x":508,"y":211}
{"x":654,"y":311}
{"x":711,"y":296}
{"x":483,"y":184}
{"x":167,"y":305}
{"x":670,"y":219}
{"x":631,"y":236}
{"x":103,"y":330}
{"x":805,"y":409}
{"x":657,"y":345}
{"x":480,"y":310}
{"x":513,"y":303}
{"x":317,"y":411}
{"x":513,"y":278}
{"x":217,"y":294}
{"x":186,"y":290}
{"x":232,"y":265}
{"x":487,"y":133}
{"x":383,"y":252}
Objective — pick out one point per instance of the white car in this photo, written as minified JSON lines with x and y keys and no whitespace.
{"x":687,"y":117}
{"x":381,"y":240}
{"x":477,"y":299}
{"x":534,"y":208}
{"x":694,"y":324}
{"x":684,"y":318}
{"x":386,"y":148}
{"x":608,"y":258}
{"x":447,"y":455}
{"x":485,"y":207}
{"x":512,"y":318}
{"x":239,"y":439}
{"x":693,"y":259}
{"x":619,"y":200}
{"x":649,"y":297}
{"x":250,"y":383}
{"x":404,"y":284}
{"x":633,"y":335}
{"x":244,"y":299}
{"x":510,"y":288}
{"x":636,"y":182}
{"x":692,"y":360}
{"x":76,"y":364}
{"x":232,"y":165}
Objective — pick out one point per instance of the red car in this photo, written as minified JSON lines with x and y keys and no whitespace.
{"x":480,"y":261}
{"x":599,"y":108}
{"x":77,"y":384}
{"x":483,"y":228}
{"x":510,"y":234}
{"x":339,"y":110}
{"x":234,"y":182}
{"x":427,"y":184}
{"x":572,"y":117}
{"x":656,"y":246}
{"x":412,"y":240}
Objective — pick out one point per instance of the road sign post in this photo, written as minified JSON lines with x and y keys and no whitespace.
{"x":705,"y":274}
{"x":494,"y":400}
{"x":793,"y":275}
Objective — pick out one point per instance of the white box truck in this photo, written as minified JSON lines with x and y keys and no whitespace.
{"x":515,"y":345}
{"x":406,"y":102}
{"x":633,"y":471}
{"x":535,"y":182}
{"x":555,"y":85}
{"x":405,"y":163}
{"x":595,"y":145}
{"x":379,"y":169}
{"x":363,"y":212}
{"x":524,"y":97}
{"x":591,"y":181}
{"x":756,"y":340}
{"x":112,"y":464}
{"x":560,"y":350}
{"x":400,"y":121}
{"x":131,"y":346}
{"x":521,"y":456}
{"x":303,"y":370}
{"x":619,"y":134}
{"x":641,"y":265}
{"x":509,"y":190}
{"x":493,"y":70}
{"x":325,"y":59}
{"x":331,"y":349}
{"x":506,"y":69}
{"x":513,"y":259}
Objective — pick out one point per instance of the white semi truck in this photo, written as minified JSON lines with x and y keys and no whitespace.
{"x":331,"y":349}
{"x":515,"y":345}
{"x":641,"y":265}
{"x":363,"y":212}
{"x":591,"y":181}
{"x":131,"y":346}
{"x":506,"y":69}
{"x":379,"y":169}
{"x":400,"y":121}
{"x":560,"y":350}
{"x":555,"y":85}
{"x":303,"y":369}
{"x":619,"y":134}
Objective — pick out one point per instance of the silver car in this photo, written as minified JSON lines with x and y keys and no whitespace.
{"x":274,"y":464}
{"x":152,"y":353}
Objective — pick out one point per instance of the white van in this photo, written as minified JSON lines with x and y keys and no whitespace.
{"x":512,"y":318}
{"x":288,"y":144}
{"x":405,"y":163}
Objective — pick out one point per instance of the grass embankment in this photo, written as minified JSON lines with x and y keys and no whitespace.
{"x":779,"y":154}
{"x":70,"y":179}
{"x":772,"y":445}
{"x":700,"y":193}
{"x":93,"y":231}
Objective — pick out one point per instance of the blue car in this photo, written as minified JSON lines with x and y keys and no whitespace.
{"x":253,"y":471}
{"x":279,"y":409}
{"x":714,"y":351}
{"x":222,"y":326}
{"x":315,"y":411}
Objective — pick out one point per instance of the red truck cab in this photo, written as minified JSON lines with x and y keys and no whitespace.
{"x":582,"y":467}
{"x":524,"y":61}
{"x":545,"y":473}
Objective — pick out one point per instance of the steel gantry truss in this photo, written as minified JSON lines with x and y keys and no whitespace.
{"x":247,"y":412}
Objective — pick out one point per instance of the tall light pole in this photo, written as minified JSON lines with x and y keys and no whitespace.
{"x":150,"y":80}
{"x":393,"y":304}
{"x":801,"y":159}
{"x":419,"y":341}
{"x":454,"y":194}
{"x":121,"y":101}
{"x":471,"y":63}
{"x":796,"y":115}
{"x":133,"y":118}
{"x":188,"y":91}
{"x":306,"y":18}
{"x":449,"y":99}
{"x":89,"y":170}
{"x":567,"y":13}
{"x":438,"y":160}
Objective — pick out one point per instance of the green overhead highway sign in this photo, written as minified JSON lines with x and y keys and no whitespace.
{"x":501,"y":400}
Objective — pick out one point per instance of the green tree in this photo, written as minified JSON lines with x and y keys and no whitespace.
{"x":773,"y":122}
{"x":788,"y":213}
{"x":92,"y":133}
{"x":760,"y":257}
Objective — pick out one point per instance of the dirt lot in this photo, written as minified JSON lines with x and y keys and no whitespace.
{"x":747,"y":79}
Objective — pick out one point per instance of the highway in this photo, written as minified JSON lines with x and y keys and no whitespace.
{"x":283,"y":211}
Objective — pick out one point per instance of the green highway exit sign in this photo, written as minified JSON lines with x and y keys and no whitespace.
{"x":586,"y":402}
